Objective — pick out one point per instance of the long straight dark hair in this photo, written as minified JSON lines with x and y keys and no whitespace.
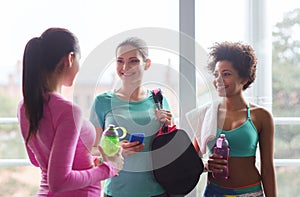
{"x":41,"y":58}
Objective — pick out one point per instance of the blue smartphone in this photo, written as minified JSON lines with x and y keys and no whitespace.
{"x":137,"y":137}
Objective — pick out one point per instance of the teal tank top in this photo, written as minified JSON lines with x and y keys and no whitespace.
{"x":242,"y":140}
{"x":136,"y":179}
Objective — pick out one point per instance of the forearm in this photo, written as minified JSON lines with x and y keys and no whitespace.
{"x":269,"y":183}
{"x":76,"y":179}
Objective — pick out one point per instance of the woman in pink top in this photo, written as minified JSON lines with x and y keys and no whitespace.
{"x":57,"y":139}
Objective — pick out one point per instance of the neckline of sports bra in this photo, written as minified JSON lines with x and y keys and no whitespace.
{"x":236,"y":127}
{"x":248,"y":118}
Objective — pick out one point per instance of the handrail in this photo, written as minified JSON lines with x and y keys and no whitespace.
{"x":287,"y":120}
{"x":286,"y":162}
{"x":8,"y":120}
{"x":277,"y":162}
{"x":14,"y":162}
{"x":277,"y":120}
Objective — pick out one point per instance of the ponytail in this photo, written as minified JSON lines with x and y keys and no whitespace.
{"x":32,"y":86}
{"x":40,"y":60}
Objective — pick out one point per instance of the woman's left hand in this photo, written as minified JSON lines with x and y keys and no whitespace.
{"x":164,"y":116}
{"x":216,"y":163}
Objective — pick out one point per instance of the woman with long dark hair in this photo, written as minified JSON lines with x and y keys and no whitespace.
{"x":57,"y":139}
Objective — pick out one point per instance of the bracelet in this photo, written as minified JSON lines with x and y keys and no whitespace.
{"x":98,"y":161}
{"x":206,"y":168}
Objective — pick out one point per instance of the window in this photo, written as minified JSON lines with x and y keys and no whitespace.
{"x":262,"y":24}
{"x":105,"y":23}
{"x":95,"y":23}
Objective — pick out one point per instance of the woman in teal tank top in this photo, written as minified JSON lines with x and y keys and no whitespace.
{"x":233,"y":66}
{"x":131,"y":106}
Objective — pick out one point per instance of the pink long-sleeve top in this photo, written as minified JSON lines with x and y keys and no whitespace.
{"x":62,"y":150}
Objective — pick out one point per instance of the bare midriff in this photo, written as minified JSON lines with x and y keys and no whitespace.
{"x":242,"y":172}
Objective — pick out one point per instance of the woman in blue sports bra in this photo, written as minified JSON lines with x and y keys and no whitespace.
{"x":245,"y":126}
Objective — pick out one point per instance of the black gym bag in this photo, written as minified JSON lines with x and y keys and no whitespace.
{"x":176,"y":164}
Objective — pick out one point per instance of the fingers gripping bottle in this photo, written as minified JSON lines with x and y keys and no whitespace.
{"x":222,"y":148}
{"x":110,"y":140}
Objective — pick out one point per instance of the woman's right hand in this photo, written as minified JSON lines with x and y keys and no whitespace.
{"x":164,"y":116}
{"x":216,"y":163}
{"x":130,"y":148}
{"x":117,"y":159}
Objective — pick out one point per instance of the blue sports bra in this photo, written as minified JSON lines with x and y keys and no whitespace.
{"x":242,"y":140}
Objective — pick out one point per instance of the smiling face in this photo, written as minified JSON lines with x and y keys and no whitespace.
{"x":227,"y":80}
{"x":130,"y":64}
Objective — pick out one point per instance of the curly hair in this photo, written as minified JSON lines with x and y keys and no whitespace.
{"x":242,"y":56}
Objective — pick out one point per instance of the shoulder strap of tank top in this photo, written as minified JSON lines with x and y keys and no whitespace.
{"x":248,"y":111}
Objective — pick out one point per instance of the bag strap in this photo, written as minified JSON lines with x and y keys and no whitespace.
{"x":158,"y":98}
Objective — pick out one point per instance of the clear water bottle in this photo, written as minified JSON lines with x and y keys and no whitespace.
{"x":222,"y":148}
{"x":110,"y":140}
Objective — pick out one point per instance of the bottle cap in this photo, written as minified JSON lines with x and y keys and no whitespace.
{"x":219,"y":143}
{"x":111,"y":126}
{"x":220,"y":140}
{"x":110,"y":131}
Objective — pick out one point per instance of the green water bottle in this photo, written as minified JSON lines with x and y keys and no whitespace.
{"x":110,"y":140}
